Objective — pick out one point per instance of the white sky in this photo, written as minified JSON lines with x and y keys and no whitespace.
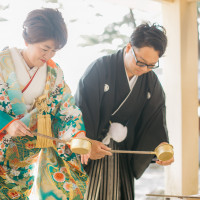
{"x":72,"y":58}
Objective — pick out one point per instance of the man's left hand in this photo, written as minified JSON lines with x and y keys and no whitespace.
{"x":167,"y":162}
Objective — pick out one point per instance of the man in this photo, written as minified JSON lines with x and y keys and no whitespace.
{"x":123,"y":105}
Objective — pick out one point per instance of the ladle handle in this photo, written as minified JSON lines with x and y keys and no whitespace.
{"x":135,"y":152}
{"x":51,"y":138}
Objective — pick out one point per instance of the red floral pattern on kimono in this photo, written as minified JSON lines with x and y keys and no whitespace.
{"x":60,"y":173}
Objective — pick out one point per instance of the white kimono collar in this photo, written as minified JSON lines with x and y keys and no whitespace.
{"x":37,"y":85}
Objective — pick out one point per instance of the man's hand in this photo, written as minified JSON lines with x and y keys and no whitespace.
{"x":99,"y":150}
{"x":167,"y":162}
{"x":18,"y":128}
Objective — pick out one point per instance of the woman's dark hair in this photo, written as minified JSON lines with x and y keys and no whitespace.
{"x":146,"y":35}
{"x":45,"y":24}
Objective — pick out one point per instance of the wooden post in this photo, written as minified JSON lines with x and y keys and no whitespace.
{"x":181,"y":75}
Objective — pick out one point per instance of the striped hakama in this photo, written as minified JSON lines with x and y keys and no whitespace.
{"x":110,"y":178}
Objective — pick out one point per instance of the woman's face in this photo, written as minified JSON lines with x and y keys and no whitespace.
{"x":37,"y":54}
{"x":145,"y":55}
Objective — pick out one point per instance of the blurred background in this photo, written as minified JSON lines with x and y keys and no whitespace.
{"x":95,"y":28}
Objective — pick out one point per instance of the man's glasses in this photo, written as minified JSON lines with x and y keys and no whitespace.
{"x":141,"y":64}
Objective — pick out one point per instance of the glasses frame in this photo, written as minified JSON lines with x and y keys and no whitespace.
{"x":144,"y":64}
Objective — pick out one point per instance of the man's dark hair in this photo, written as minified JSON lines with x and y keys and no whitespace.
{"x":45,"y":24}
{"x":146,"y":35}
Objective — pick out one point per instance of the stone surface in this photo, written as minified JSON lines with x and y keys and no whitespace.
{"x":151,"y":182}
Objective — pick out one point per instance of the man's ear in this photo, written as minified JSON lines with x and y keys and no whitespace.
{"x":128,"y":47}
{"x":26,"y":43}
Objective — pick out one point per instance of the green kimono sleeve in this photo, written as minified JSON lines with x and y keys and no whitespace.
{"x":5,"y":119}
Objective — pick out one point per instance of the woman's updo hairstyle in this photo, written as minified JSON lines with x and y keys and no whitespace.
{"x":45,"y":24}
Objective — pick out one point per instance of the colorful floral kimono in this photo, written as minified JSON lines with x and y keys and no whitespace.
{"x":60,"y":174}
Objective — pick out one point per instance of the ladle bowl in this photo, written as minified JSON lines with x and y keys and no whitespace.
{"x":164,"y":152}
{"x":80,"y":145}
{"x":77,"y":145}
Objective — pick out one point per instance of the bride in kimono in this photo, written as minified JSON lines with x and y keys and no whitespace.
{"x":27,"y":75}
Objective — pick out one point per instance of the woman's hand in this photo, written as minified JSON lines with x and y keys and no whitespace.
{"x":18,"y":128}
{"x":84,"y":158}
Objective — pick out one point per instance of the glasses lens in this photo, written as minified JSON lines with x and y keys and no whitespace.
{"x":153,"y":66}
{"x":140,"y":64}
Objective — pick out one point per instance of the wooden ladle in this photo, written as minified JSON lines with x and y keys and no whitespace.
{"x":77,"y":145}
{"x":163,"y":152}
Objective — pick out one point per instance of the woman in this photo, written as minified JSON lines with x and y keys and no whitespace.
{"x":28,"y":76}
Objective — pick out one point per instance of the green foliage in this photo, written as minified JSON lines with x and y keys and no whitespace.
{"x":3,"y":7}
{"x":51,"y":1}
{"x":110,"y":33}
{"x":3,"y":19}
{"x":58,"y":3}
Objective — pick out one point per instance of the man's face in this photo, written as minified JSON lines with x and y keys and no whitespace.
{"x":140,"y":61}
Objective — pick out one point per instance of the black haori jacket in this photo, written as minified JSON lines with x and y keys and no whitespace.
{"x":101,"y":90}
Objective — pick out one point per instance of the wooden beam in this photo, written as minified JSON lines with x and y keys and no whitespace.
{"x":171,"y":1}
{"x":190,"y":1}
{"x":177,"y":196}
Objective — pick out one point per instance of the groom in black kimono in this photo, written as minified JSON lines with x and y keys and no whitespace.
{"x":123,"y":106}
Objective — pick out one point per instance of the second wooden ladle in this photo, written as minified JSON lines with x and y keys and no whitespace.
{"x":163,"y":152}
